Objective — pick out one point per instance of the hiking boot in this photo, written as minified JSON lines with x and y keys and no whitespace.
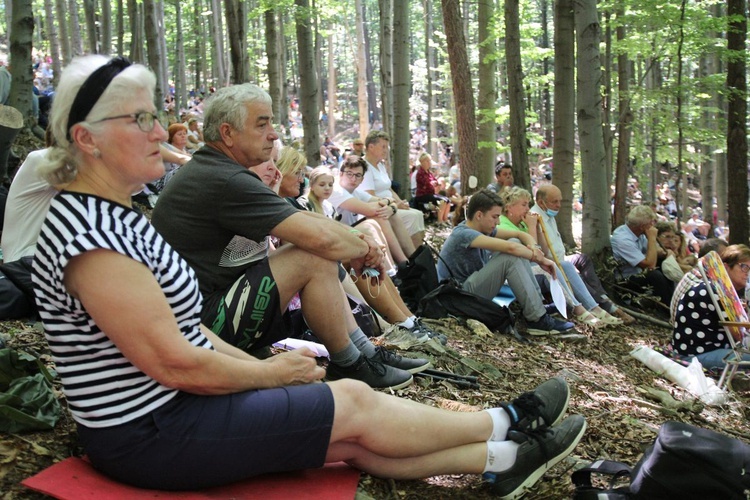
{"x":539,"y":409}
{"x":411,"y":365}
{"x":439,"y":337}
{"x":373,"y":373}
{"x":547,"y":325}
{"x":539,"y":451}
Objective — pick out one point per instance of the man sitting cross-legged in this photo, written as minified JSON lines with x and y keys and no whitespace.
{"x":218,"y":215}
{"x":481,"y":261}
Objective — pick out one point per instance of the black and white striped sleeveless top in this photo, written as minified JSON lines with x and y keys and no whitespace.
{"x":102,"y":387}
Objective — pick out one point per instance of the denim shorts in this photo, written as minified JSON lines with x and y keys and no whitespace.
{"x":195,"y":442}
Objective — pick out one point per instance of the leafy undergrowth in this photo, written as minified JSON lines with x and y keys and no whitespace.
{"x":607,"y":385}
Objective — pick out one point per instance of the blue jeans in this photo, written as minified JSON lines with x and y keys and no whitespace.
{"x":579,"y":287}
{"x":715,"y":358}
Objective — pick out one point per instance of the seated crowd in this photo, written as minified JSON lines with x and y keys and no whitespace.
{"x":241,"y":234}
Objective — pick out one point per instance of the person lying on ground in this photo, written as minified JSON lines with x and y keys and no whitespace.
{"x":191,"y":411}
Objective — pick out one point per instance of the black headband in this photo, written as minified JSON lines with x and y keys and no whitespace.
{"x":93,"y":88}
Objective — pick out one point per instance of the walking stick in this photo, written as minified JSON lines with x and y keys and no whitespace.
{"x":552,"y":251}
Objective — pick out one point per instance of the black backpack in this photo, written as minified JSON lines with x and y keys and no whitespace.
{"x":685,"y":462}
{"x":417,"y":277}
{"x":450,"y":299}
{"x":16,"y":290}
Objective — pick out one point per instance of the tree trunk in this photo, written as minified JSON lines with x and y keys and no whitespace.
{"x":106,"y":31}
{"x":563,"y":147}
{"x":135,"y":13}
{"x":401,"y":135}
{"x":237,"y":32}
{"x":608,"y":96}
{"x":75,"y":28}
{"x":272,"y":55}
{"x":432,"y":145}
{"x":181,"y":91}
{"x":624,"y":121}
{"x":487,"y":96}
{"x":596,"y":208}
{"x":153,"y":47}
{"x":163,"y":64}
{"x":121,"y":27}
{"x":284,"y":101}
{"x":22,"y":32}
{"x":54,"y":41}
{"x":545,"y":117}
{"x":518,"y":141}
{"x":737,"y":123}
{"x":362,"y":103}
{"x":463,"y":95}
{"x":217,"y":45}
{"x":332,"y":86}
{"x":62,"y":23}
{"x":308,"y":91}
{"x":89,"y":10}
{"x":386,"y":63}
{"x":720,"y":158}
{"x":372,"y":97}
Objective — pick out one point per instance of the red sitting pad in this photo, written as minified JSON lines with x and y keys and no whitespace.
{"x":76,"y":479}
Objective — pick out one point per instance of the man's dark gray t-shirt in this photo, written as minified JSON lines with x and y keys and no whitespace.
{"x":217,"y":215}
{"x":459,"y":257}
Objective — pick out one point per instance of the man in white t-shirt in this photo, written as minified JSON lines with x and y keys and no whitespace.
{"x":29,"y":197}
{"x":377,"y":182}
{"x":355,"y":205}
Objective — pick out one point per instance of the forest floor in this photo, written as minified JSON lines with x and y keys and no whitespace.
{"x":607,"y":387}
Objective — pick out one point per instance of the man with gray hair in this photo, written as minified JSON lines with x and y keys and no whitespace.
{"x":634,"y":245}
{"x":218,"y":214}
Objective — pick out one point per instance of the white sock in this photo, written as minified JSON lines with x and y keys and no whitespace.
{"x":408,"y":323}
{"x":501,"y":455}
{"x":500,"y":424}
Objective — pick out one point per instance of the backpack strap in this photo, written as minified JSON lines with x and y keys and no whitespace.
{"x":615,"y":470}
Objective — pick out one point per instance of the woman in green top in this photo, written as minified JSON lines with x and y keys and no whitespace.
{"x":516,"y":216}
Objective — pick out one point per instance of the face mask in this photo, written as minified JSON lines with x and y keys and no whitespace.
{"x":551,"y":212}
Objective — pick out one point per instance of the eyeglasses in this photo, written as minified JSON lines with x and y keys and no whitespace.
{"x":744,"y":267}
{"x":352,"y":175}
{"x":144,"y":119}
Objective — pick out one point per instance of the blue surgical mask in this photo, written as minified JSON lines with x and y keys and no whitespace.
{"x":551,"y":212}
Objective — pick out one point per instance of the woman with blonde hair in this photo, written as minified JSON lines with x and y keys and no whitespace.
{"x":516,"y":216}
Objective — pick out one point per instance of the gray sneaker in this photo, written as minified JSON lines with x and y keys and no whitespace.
{"x":439,"y":337}
{"x":373,"y":373}
{"x":417,"y":332}
{"x":411,"y":365}
{"x":541,"y":408}
{"x":539,"y":452}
